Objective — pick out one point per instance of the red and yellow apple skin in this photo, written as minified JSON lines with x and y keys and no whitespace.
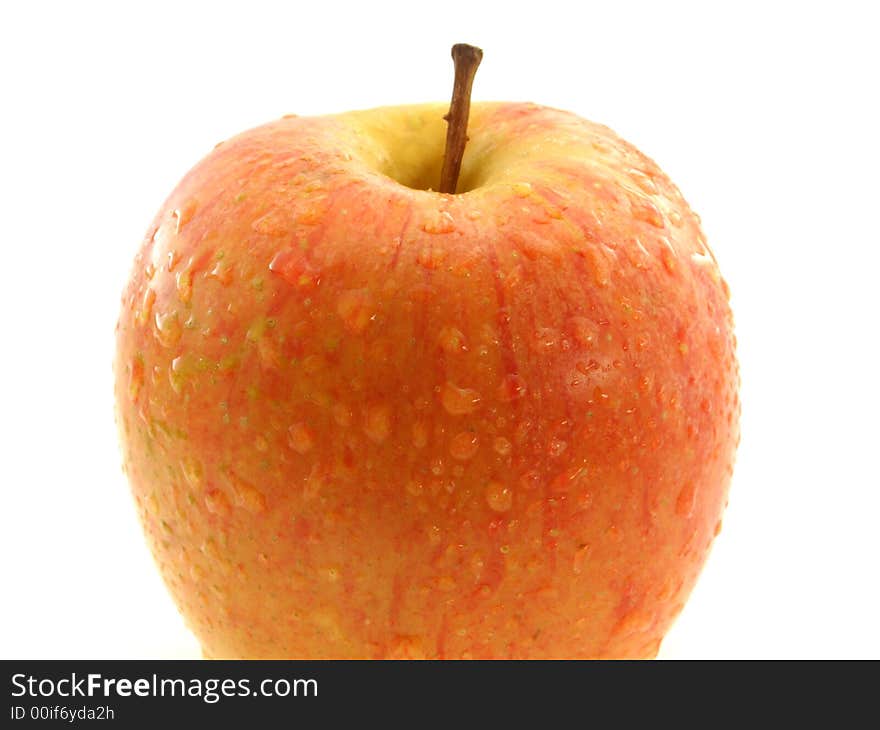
{"x":363,"y":419}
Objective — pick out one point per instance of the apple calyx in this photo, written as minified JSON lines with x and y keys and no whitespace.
{"x":466,"y":59}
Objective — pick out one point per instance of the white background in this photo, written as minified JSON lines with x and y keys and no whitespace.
{"x":763,"y":113}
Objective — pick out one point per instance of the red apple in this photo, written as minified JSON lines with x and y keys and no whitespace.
{"x":364,"y":419}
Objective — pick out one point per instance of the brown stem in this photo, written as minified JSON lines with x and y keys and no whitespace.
{"x":467,"y":59}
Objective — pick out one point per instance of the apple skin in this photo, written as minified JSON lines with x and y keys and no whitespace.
{"x":366,"y":420}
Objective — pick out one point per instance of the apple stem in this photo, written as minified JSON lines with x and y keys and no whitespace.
{"x":466,"y":59}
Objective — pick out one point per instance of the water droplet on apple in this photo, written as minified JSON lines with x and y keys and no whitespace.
{"x":643,"y":181}
{"x":292,"y":266}
{"x":315,"y":186}
{"x":341,"y":415}
{"x":247,"y":495}
{"x":459,"y":401}
{"x":686,"y":501}
{"x":221,"y":272}
{"x":440,"y":222}
{"x":135,"y":378}
{"x":499,"y":497}
{"x":406,"y":647}
{"x":176,"y":375}
{"x":183,"y":281}
{"x":556,"y":447}
{"x":168,"y":328}
{"x":300,"y":438}
{"x":644,"y":210}
{"x":257,"y":329}
{"x":431,"y":257}
{"x":420,"y":434}
{"x":634,"y":621}
{"x":216,"y":503}
{"x":314,"y":482}
{"x":355,"y":309}
{"x":314,"y":213}
{"x":451,"y":340}
{"x":502,"y":446}
{"x":182,"y":216}
{"x":446,"y":583}
{"x":464,"y":445}
{"x":192,"y":471}
{"x":601,"y":263}
{"x":584,"y":331}
{"x":704,"y":260}
{"x":277,"y":222}
{"x":143,"y":314}
{"x":377,"y":422}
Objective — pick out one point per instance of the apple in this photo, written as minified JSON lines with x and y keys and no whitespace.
{"x":365,"y":419}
